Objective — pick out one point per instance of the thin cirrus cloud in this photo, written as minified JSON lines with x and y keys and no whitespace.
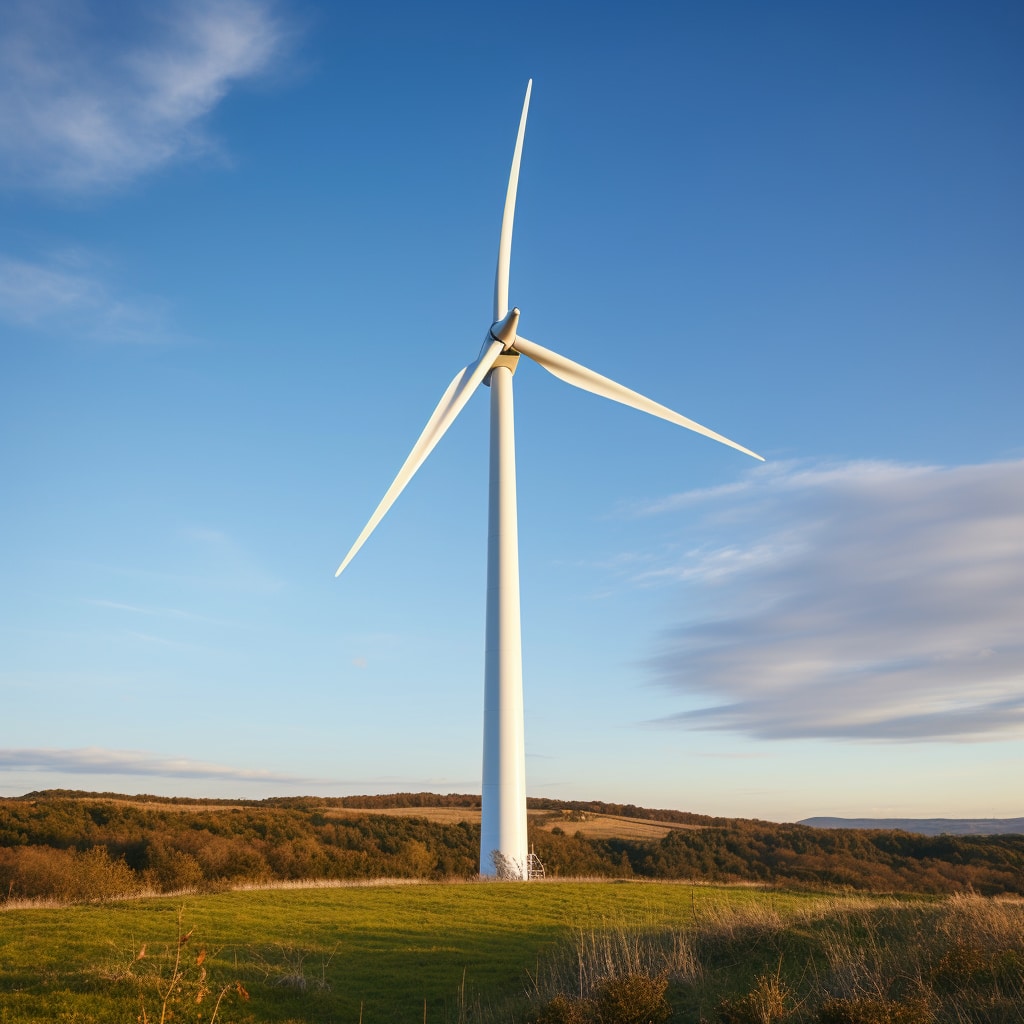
{"x":67,"y":295}
{"x":82,"y":108}
{"x":98,"y":761}
{"x":867,"y":601}
{"x":101,"y":761}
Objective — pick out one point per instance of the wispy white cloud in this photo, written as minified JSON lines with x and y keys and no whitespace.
{"x":227,"y":563}
{"x":871,"y":601}
{"x":158,"y":612}
{"x":208,"y":560}
{"x":68,"y":296}
{"x":85,"y":105}
{"x":99,"y":761}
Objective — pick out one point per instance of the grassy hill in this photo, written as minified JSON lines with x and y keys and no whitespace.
{"x":548,"y":953}
{"x":83,"y":846}
{"x":281,"y":916}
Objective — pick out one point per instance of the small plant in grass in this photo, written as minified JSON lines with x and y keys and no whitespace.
{"x":174,"y":983}
{"x":584,"y":966}
{"x":566,"y":1010}
{"x":633,"y":999}
{"x":768,"y":1002}
{"x":628,"y":999}
{"x":508,"y":869}
{"x":284,"y":965}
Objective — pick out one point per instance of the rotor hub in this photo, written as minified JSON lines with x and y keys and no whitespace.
{"x":504,"y":330}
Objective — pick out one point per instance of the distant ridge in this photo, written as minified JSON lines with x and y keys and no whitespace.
{"x":80,"y":846}
{"x":927,"y":826}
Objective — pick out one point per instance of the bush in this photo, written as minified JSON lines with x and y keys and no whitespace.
{"x":563,"y":1010}
{"x":172,"y":870}
{"x":40,"y":872}
{"x":633,"y":999}
{"x":628,"y":999}
{"x":766,"y":1003}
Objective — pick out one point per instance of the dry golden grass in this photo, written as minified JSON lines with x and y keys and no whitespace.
{"x":605,"y":826}
{"x":593,"y":826}
{"x":157,"y":805}
{"x":843,"y":960}
{"x":441,"y":815}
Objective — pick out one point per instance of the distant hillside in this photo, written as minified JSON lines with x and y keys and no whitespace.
{"x":927,"y":826}
{"x":83,"y":846}
{"x":387,"y":802}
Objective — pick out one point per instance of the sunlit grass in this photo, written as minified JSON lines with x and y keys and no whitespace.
{"x":484,"y":953}
{"x":331,"y":954}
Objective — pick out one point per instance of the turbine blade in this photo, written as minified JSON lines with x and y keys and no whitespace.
{"x":505,"y":242}
{"x":452,"y":403}
{"x":580,"y":377}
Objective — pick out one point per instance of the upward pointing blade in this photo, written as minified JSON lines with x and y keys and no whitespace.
{"x":443,"y":416}
{"x":505,"y":242}
{"x":580,"y":377}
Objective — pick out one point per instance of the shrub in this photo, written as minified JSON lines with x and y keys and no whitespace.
{"x":628,"y":999}
{"x":633,"y":999}
{"x":40,"y":872}
{"x":564,"y":1010}
{"x":766,"y":1003}
{"x":174,"y":982}
{"x":172,"y":870}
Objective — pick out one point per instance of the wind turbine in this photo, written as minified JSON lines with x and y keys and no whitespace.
{"x":503,"y":843}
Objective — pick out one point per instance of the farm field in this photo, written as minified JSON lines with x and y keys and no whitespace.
{"x":376,"y":953}
{"x":592,"y":824}
{"x":607,"y":826}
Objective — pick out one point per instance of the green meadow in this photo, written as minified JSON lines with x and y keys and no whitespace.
{"x":623,"y":952}
{"x":376,"y":953}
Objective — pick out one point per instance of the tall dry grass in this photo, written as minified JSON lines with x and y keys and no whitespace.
{"x":961,"y":960}
{"x":850,"y":961}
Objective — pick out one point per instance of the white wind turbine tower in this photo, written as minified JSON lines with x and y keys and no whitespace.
{"x":503,"y":843}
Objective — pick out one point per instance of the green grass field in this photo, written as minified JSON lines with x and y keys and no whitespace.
{"x":497,"y":953}
{"x":375,"y":953}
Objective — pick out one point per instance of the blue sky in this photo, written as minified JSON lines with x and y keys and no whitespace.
{"x":244,"y":246}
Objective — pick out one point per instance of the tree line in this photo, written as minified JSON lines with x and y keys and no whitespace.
{"x":76,"y":846}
